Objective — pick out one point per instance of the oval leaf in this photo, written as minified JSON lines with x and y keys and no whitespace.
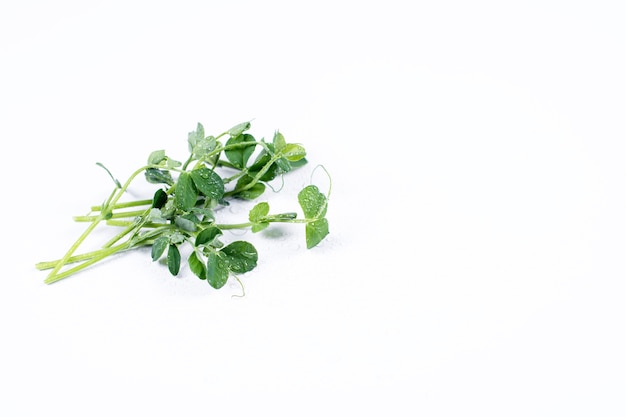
{"x":156,"y":157}
{"x":207,"y":235}
{"x":259,"y":211}
{"x":241,"y":256}
{"x":159,"y":199}
{"x":196,"y":265}
{"x":293,"y":152}
{"x":208,"y":182}
{"x":239,"y":129}
{"x":279,"y":141}
{"x":184,"y":224}
{"x":237,"y":154}
{"x":313,"y":202}
{"x":173,"y":259}
{"x":260,"y":163}
{"x":158,"y":247}
{"x":158,"y":176}
{"x":185,"y":195}
{"x":315,"y":232}
{"x":216,"y":270}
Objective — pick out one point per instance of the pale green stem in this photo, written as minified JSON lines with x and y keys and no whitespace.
{"x":119,"y":215}
{"x":111,"y":201}
{"x":103,"y":253}
{"x":127,"y":204}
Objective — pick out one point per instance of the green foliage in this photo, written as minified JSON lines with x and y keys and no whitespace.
{"x":208,"y":236}
{"x":248,"y":188}
{"x":196,"y":265}
{"x":314,"y":205}
{"x":208,"y":182}
{"x":183,"y":211}
{"x":173,"y":259}
{"x":186,"y":193}
{"x":216,"y":270}
{"x":159,"y":199}
{"x":241,"y":256}
{"x":240,"y":149}
{"x":159,"y":176}
{"x":159,"y":246}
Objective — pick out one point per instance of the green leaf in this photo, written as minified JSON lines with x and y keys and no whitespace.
{"x":156,"y":216}
{"x":156,"y":157}
{"x":257,"y":214}
{"x":208,"y":182}
{"x":191,"y":217}
{"x":298,"y":163}
{"x":196,"y":265}
{"x":207,"y":214}
{"x":206,"y":236}
{"x":159,"y":176}
{"x":186,"y":193}
{"x":313,"y":202}
{"x":194,"y":137}
{"x":204,"y":147}
{"x":241,"y":256}
{"x":293,"y":152}
{"x":199,"y":131}
{"x":173,"y":259}
{"x":239,"y":155}
{"x":199,"y":145}
{"x":159,"y":199}
{"x":262,"y":160}
{"x":168,"y":210}
{"x":172,"y":163}
{"x":251,"y":193}
{"x":216,"y":270}
{"x":315,"y":232}
{"x":259,"y":211}
{"x":176,"y":238}
{"x":185,"y":224}
{"x":158,"y":247}
{"x":239,"y":129}
{"x":279,"y":141}
{"x":282,"y":165}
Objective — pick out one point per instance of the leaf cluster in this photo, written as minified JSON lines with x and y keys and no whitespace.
{"x":219,"y":170}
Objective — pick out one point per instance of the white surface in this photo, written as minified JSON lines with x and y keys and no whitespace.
{"x":475,"y":265}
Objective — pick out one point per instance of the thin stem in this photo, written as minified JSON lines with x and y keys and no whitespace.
{"x":232,"y":226}
{"x":128,"y":204}
{"x":122,"y":223}
{"x":93,"y":257}
{"x":129,"y":228}
{"x":101,"y":255}
{"x":236,"y":176}
{"x":119,"y":215}
{"x":82,"y":257}
{"x":71,"y":250}
{"x":111,"y":201}
{"x":187,"y":162}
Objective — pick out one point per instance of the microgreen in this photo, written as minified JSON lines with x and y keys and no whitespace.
{"x":183,"y":212}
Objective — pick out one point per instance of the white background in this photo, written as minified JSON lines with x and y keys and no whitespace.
{"x":475,"y":265}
